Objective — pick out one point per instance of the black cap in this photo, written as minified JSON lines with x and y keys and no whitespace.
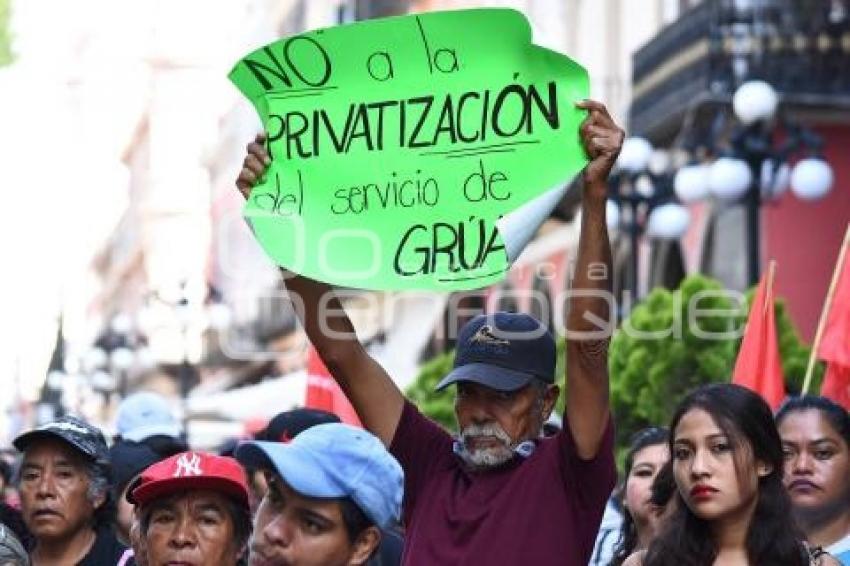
{"x":80,"y":435}
{"x":129,"y":459}
{"x":503,"y":351}
{"x":285,"y":426}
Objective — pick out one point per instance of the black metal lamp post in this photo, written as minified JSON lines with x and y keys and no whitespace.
{"x":752,"y":163}
{"x":642,"y":200}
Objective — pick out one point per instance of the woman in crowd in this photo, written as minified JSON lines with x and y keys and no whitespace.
{"x":731,"y":506}
{"x":815,"y":436}
{"x":647,"y":454}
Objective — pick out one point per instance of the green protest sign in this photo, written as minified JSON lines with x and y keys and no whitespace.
{"x":399,"y":144}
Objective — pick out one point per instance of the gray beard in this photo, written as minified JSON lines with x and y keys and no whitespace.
{"x":486,"y":458}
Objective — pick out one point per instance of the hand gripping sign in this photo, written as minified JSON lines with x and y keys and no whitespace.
{"x":417,"y":152}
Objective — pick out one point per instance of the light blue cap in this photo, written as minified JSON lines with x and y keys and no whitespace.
{"x":145,"y":414}
{"x":335,"y":460}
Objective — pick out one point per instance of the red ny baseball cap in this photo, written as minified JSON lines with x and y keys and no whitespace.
{"x":190,"y":471}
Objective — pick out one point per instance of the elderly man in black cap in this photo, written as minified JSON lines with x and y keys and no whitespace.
{"x":65,"y":495}
{"x":476,"y":498}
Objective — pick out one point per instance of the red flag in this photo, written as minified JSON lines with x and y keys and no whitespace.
{"x":759,"y":366}
{"x":834,"y":347}
{"x":324,"y":393}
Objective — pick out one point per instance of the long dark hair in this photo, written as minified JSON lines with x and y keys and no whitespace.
{"x":772,"y":536}
{"x":663,"y":486}
{"x":628,"y":541}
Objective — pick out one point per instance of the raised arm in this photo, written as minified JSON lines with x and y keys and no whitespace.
{"x":588,"y":335}
{"x":373,"y":394}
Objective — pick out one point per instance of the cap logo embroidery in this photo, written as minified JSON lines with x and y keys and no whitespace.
{"x":66,"y":426}
{"x":484,"y":335}
{"x":188,"y":465}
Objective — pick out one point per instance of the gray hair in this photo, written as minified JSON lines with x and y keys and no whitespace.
{"x":100,"y":481}
{"x":540,"y":388}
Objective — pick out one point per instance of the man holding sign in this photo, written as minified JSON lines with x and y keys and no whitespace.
{"x":499,"y":493}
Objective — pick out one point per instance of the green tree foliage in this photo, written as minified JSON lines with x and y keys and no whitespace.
{"x":437,"y":405}
{"x":671,"y":343}
{"x":651,"y":374}
{"x":5,"y":37}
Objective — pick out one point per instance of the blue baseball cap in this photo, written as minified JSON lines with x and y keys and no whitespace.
{"x":335,"y":460}
{"x":503,"y":351}
{"x":145,"y":414}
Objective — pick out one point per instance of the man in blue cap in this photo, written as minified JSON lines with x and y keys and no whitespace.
{"x":330,"y":492}
{"x":498,"y":493}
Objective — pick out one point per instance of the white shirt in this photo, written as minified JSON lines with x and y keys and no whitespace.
{"x":841,"y":549}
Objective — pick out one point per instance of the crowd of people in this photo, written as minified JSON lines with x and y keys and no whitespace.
{"x":330,"y":494}
{"x":726,"y":482}
{"x":766,"y":490}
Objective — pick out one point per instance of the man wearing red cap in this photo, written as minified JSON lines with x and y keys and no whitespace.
{"x":193,"y":510}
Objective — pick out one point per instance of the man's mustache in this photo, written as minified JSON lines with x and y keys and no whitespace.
{"x":490,"y":429}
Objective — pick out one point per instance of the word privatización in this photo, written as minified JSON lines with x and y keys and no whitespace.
{"x":469,"y":117}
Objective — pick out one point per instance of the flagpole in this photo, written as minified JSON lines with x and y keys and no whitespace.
{"x":771,"y":273}
{"x":825,"y":312}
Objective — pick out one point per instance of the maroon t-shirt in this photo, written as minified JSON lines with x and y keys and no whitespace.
{"x":542,"y":510}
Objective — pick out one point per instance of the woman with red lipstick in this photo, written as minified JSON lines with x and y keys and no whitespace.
{"x":815,"y":436}
{"x":732,"y":507}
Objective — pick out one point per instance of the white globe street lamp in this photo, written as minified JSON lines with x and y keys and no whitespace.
{"x":612,"y":215}
{"x":219,"y":316}
{"x":754,"y":168}
{"x":94,"y":359}
{"x":641,"y":190}
{"x":660,"y":161}
{"x":729,"y":178}
{"x":691,"y":183}
{"x":121,"y":323}
{"x":669,"y":221}
{"x":811,"y":179}
{"x":55,"y":380}
{"x":122,"y":359}
{"x":634,"y":155}
{"x":755,"y":101}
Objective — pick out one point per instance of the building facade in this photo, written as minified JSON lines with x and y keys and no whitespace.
{"x":684,"y":79}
